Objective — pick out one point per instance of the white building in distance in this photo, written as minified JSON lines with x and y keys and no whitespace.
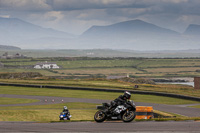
{"x":46,"y":65}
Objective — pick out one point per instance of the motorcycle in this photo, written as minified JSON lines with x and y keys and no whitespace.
{"x":126,"y":112}
{"x":64,"y":116}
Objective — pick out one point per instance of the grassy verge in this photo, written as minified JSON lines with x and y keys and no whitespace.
{"x":79,"y":112}
{"x":162,"y":114}
{"x":197,"y":106}
{"x":47,"y":113}
{"x":113,"y":84}
{"x":90,"y":95}
{"x":137,"y":67}
{"x":177,"y":119}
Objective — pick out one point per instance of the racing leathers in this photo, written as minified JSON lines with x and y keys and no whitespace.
{"x":66,"y":111}
{"x":121,"y":100}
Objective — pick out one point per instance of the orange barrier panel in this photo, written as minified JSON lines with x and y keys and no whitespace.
{"x":144,"y":112}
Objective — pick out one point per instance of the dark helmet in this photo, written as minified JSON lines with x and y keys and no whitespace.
{"x":127,"y":95}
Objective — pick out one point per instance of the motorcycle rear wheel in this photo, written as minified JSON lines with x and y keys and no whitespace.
{"x":99,"y":116}
{"x":128,"y":117}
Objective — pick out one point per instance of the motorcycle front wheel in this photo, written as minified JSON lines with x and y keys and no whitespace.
{"x":99,"y":116}
{"x":128,"y":116}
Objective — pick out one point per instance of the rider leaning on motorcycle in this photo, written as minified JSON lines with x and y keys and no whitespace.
{"x":65,"y":110}
{"x":122,"y":99}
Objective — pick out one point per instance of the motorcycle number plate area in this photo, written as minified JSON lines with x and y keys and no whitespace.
{"x":114,"y":118}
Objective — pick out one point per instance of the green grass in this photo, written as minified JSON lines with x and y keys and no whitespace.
{"x":83,"y":83}
{"x":47,"y":113}
{"x":99,"y":63}
{"x":167,"y":63}
{"x":20,"y":63}
{"x":177,"y":119}
{"x":197,"y":106}
{"x":41,"y":113}
{"x":105,"y":71}
{"x":112,"y":84}
{"x":89,"y":94}
{"x":41,"y":71}
{"x":137,"y":67}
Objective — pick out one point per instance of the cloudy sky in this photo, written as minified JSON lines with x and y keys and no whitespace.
{"x":76,"y":16}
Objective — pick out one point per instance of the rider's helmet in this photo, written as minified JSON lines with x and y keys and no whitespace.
{"x":65,"y":108}
{"x":127,"y":95}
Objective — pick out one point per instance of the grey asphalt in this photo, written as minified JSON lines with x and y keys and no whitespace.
{"x":49,"y":100}
{"x":144,"y":127}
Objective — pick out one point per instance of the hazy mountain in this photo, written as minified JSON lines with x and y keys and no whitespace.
{"x":4,"y":47}
{"x":14,"y":31}
{"x":128,"y":28}
{"x":132,"y":35}
{"x":193,"y":30}
{"x":136,"y":35}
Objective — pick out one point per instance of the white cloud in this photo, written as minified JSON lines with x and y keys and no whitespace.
{"x":50,"y":19}
{"x":5,"y":16}
{"x":25,"y":5}
{"x":53,"y":15}
{"x":189,"y":19}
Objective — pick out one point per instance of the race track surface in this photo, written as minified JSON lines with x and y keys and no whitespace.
{"x":144,"y":127}
{"x":116,"y":126}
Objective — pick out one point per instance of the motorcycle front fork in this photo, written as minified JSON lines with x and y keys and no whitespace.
{"x":127,"y":112}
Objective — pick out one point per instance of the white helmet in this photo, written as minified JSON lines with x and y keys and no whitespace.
{"x":65,"y":107}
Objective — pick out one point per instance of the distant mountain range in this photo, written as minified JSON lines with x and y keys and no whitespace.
{"x":132,"y":35}
{"x":5,"y":47}
{"x":17,"y":32}
{"x":135,"y":34}
{"x":128,"y":28}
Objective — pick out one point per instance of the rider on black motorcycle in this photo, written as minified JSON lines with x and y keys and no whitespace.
{"x":122,"y":108}
{"x":121,"y":100}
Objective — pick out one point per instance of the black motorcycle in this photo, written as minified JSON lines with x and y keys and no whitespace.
{"x":124,"y":112}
